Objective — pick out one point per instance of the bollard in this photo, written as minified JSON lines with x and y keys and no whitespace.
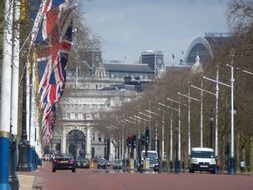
{"x":146,"y":164}
{"x":91,"y":164}
{"x":163,"y":166}
{"x":131,"y":164}
{"x":171,"y":166}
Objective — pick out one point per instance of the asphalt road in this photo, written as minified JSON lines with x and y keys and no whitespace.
{"x":93,"y":179}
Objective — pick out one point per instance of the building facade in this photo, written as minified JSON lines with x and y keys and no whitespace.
{"x":104,"y":88}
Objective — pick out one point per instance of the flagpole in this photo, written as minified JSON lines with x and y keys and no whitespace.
{"x":6,"y":96}
{"x":13,"y":179}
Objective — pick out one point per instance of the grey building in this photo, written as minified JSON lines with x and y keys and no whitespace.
{"x":104,"y":88}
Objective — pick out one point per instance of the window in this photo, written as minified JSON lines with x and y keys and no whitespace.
{"x":99,"y":137}
{"x":68,"y":115}
{"x":76,"y":115}
{"x":84,"y":116}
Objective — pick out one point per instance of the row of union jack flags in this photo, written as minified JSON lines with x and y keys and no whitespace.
{"x":52,"y":40}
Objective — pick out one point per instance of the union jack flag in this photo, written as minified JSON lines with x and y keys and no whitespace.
{"x":52,"y":56}
{"x":48,"y":122}
{"x":47,"y":17}
{"x":52,"y":61}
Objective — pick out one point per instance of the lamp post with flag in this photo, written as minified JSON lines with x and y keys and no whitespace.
{"x":13,"y":178}
{"x":5,"y":110}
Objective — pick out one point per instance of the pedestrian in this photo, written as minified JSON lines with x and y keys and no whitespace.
{"x":242,"y":165}
{"x":219,"y":165}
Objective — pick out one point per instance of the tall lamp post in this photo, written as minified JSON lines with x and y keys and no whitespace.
{"x":24,"y":145}
{"x":171,"y":133}
{"x":178,"y":157}
{"x":189,"y":117}
{"x":231,"y":86}
{"x":6,"y":96}
{"x":216,"y":94}
{"x":211,"y":121}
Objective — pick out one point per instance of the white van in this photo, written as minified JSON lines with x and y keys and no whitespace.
{"x":202,"y":159}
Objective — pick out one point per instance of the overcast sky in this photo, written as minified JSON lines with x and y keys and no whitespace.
{"x":128,"y":27}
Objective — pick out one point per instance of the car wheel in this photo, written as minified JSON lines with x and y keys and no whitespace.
{"x":53,"y":170}
{"x":191,"y":171}
{"x":73,"y":170}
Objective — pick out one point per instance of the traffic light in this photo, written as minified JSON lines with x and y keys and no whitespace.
{"x":143,"y":139}
{"x":129,"y":140}
{"x":147,"y":135}
{"x":134,"y":141}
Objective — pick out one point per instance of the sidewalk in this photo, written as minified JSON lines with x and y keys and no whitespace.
{"x":26,"y":182}
{"x":29,"y":180}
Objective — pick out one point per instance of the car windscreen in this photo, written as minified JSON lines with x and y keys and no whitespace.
{"x":152,"y":155}
{"x":60,"y":156}
{"x":202,"y":154}
{"x":118,"y":161}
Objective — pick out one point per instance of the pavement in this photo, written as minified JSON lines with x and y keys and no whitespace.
{"x":30,"y":180}
{"x":26,"y":182}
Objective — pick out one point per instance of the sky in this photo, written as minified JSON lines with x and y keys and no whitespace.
{"x":128,"y":27}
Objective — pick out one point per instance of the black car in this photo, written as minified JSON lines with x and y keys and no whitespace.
{"x":82,"y":162}
{"x":117,"y":164}
{"x":63,"y":161}
{"x":154,"y":164}
{"x":101,"y":163}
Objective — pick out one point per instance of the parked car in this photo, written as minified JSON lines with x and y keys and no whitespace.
{"x":82,"y":162}
{"x":154,"y":164}
{"x":101,"y":163}
{"x":108,"y":163}
{"x":46,"y":157}
{"x":63,"y":161}
{"x":152,"y":157}
{"x":117,"y":164}
{"x":202,"y":159}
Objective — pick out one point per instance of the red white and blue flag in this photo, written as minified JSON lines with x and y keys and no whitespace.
{"x":54,"y":40}
{"x":47,"y":17}
{"x":52,"y":60}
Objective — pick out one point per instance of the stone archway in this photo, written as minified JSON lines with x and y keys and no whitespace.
{"x":76,"y":143}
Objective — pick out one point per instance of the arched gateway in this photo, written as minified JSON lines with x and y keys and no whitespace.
{"x":76,"y":142}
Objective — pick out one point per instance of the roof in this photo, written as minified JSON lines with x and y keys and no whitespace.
{"x":202,"y":149}
{"x":134,"y":68}
{"x":215,"y":42}
{"x":205,"y":47}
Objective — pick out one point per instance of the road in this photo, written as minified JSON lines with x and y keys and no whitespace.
{"x":93,"y":179}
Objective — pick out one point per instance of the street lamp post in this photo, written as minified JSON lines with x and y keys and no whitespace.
{"x":189,"y":117}
{"x":171,"y":133}
{"x":231,"y":86}
{"x":178,"y":156}
{"x":24,"y":145}
{"x":211,"y":121}
{"x":163,"y":141}
{"x":201,"y":112}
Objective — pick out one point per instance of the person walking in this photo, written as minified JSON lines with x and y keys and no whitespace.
{"x":242,"y":166}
